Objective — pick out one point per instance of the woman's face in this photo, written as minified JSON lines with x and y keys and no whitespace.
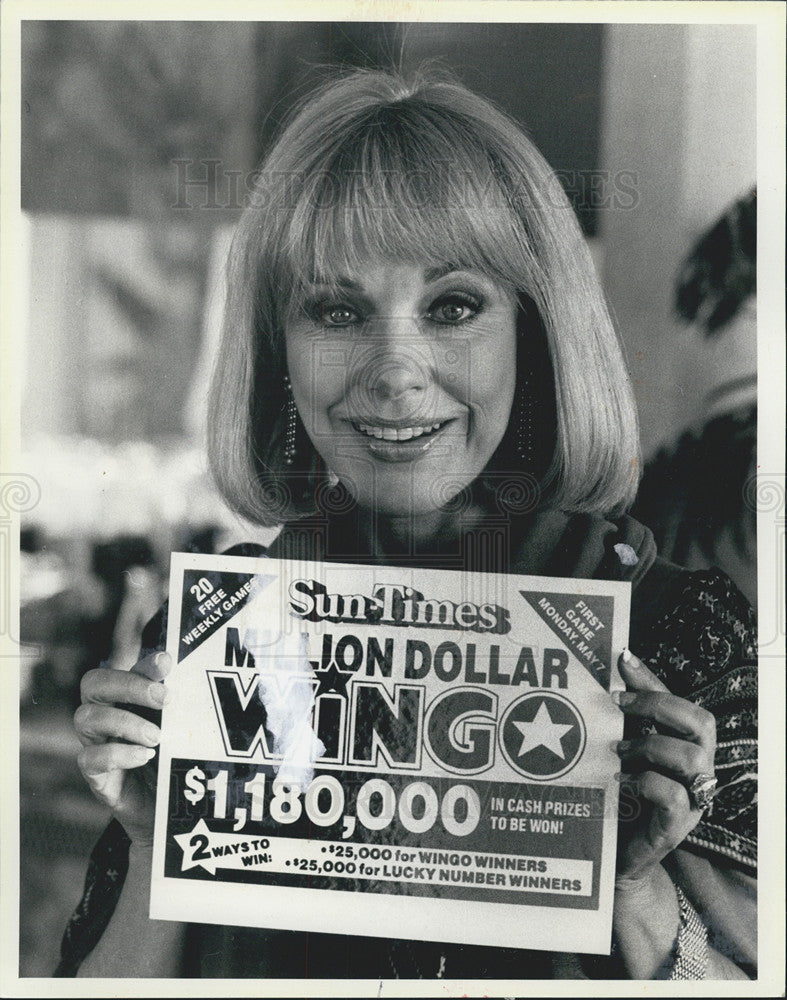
{"x":404,"y":380}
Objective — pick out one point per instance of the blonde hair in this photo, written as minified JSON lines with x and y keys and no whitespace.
{"x":423,"y":171}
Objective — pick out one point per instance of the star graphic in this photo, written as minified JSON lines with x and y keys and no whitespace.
{"x":332,"y":679}
{"x":188,"y":842}
{"x":543,"y":732}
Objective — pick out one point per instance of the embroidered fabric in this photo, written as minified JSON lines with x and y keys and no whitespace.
{"x":704,"y":649}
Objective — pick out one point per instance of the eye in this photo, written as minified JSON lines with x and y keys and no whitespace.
{"x":338,"y":315}
{"x":454,"y":308}
{"x":325,"y":313}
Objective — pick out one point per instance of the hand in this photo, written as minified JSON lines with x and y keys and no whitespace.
{"x":117,"y":743}
{"x":657,"y":770}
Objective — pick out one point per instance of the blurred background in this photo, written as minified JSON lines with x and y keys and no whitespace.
{"x":138,"y":142}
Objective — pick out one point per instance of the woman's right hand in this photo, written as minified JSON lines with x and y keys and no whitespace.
{"x":118,"y":743}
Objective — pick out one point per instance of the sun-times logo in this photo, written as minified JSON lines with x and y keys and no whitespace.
{"x":397,"y":605}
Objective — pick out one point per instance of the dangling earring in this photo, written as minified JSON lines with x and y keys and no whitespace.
{"x":291,"y":417}
{"x":525,"y":428}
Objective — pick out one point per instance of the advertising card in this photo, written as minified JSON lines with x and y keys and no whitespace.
{"x":408,"y":753}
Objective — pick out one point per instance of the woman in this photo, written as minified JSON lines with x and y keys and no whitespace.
{"x":418,"y":368}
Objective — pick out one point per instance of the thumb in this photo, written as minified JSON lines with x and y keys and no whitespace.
{"x":636,"y":675}
{"x":155,"y":667}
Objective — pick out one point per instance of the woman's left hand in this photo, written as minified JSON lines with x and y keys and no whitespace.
{"x":658,"y":770}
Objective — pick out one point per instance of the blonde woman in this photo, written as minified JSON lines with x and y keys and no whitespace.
{"x":418,"y":368}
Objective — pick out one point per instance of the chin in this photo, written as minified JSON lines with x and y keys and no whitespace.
{"x":408,"y":488}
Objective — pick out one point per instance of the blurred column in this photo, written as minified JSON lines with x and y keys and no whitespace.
{"x":679,"y":115}
{"x":54,"y":357}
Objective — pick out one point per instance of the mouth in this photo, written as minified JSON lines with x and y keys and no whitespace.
{"x":400,"y":442}
{"x":389,"y":433}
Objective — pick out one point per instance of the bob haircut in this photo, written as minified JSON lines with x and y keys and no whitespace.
{"x":374,"y":166}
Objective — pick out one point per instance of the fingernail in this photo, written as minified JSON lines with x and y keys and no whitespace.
{"x":626,"y":657}
{"x":162,"y":659}
{"x":624,"y":745}
{"x":623,"y":697}
{"x":159,"y":693}
{"x":152,"y":734}
{"x":619,"y":776}
{"x":143,"y":754}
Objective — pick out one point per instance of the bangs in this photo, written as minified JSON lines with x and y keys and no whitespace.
{"x":403,"y":187}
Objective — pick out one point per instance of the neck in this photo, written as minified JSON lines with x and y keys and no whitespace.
{"x":394,"y":534}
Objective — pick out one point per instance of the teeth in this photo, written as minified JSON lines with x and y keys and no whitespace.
{"x":397,"y":434}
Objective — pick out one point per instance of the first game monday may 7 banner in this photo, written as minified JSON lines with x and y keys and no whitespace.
{"x":410,"y":753}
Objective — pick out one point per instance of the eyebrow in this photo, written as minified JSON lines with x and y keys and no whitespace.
{"x":435,"y":273}
{"x":342,"y":281}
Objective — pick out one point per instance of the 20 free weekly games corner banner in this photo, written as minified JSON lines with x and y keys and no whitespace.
{"x":418,"y":753}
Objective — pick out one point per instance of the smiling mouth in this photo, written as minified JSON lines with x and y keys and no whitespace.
{"x":412,"y":433}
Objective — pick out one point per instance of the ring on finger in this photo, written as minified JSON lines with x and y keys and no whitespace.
{"x":702,"y":791}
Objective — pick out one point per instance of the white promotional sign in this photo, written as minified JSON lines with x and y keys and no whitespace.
{"x":411,"y":753}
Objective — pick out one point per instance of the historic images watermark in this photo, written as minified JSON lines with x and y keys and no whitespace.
{"x":766,"y":493}
{"x":207,"y":184}
{"x":20,"y":493}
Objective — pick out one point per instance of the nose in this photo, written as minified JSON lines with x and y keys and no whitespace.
{"x":396,"y":377}
{"x":397,"y":369}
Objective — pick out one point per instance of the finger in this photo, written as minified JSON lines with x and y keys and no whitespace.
{"x":637,"y":675}
{"x":672,"y":808}
{"x":678,"y":714}
{"x":682,"y":759}
{"x":665,"y":824}
{"x":155,"y":667}
{"x":98,"y":723}
{"x":113,"y":686}
{"x":98,"y":760}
